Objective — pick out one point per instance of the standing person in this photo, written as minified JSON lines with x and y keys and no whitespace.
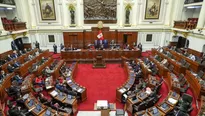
{"x":140,"y":46}
{"x":55,"y":48}
{"x":37,"y":45}
{"x":62,"y":46}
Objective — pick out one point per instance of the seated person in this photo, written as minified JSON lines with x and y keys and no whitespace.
{"x":15,"y":111}
{"x":2,"y":75}
{"x":2,"y":62}
{"x":9,"y":58}
{"x":37,"y":53}
{"x":48,"y":70}
{"x":25,"y":50}
{"x":61,"y":87}
{"x":192,"y":57}
{"x":39,"y":80}
{"x":126,"y":46}
{"x":34,"y":67}
{"x":17,"y":78}
{"x":43,"y":99}
{"x":10,"y":68}
{"x":42,"y":60}
{"x":20,"y":53}
{"x":30,"y":57}
{"x":14,"y":90}
{"x":16,"y":64}
{"x":15,"y":55}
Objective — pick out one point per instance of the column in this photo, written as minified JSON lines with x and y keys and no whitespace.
{"x":134,"y":13}
{"x":168,"y":6}
{"x":31,"y":6}
{"x":201,"y":20}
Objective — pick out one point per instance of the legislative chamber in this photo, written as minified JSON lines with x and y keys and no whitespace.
{"x":102,"y":58}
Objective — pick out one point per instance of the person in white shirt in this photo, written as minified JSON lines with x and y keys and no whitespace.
{"x":193,"y":57}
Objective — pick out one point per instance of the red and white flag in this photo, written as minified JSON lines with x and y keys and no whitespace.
{"x":100,"y":35}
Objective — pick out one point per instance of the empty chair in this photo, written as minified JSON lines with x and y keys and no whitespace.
{"x":119,"y":112}
{"x":182,"y":61}
{"x":171,"y":67}
{"x":141,"y":106}
{"x":183,"y":82}
{"x":187,"y":65}
{"x":183,"y":90}
{"x":185,"y":104}
{"x":200,"y":74}
{"x":181,"y":76}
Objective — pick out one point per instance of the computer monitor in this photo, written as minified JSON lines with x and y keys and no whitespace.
{"x":31,"y":103}
{"x":61,"y":94}
{"x":69,"y":97}
{"x":200,"y":74}
{"x":164,"y":105}
{"x":134,"y":98}
{"x":48,"y":113}
{"x":38,"y":107}
{"x":155,"y":110}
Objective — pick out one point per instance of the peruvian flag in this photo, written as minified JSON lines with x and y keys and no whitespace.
{"x":100,"y":35}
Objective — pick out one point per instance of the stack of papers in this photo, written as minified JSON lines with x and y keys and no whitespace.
{"x":54,"y":93}
{"x":122,"y":90}
{"x":79,"y":90}
{"x":172,"y":101}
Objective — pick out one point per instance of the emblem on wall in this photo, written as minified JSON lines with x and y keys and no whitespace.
{"x":100,"y":9}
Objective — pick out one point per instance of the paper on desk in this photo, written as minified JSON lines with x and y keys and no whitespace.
{"x":79,"y":90}
{"x":54,"y":93}
{"x":173,"y":101}
{"x":122,"y":90}
{"x":69,"y":81}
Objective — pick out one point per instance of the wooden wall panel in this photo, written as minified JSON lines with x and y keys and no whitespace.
{"x":82,"y":39}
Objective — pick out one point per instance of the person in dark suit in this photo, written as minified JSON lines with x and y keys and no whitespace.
{"x":55,"y":48}
{"x":140,"y":46}
{"x":10,"y":68}
{"x":37,"y":45}
{"x":9,"y":58}
{"x":15,"y":55}
{"x":17,"y":78}
{"x":62,"y":46}
{"x":15,"y":111}
{"x":16,"y":64}
{"x":2,"y":75}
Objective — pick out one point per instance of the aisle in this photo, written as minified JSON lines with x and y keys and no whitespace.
{"x":101,"y":84}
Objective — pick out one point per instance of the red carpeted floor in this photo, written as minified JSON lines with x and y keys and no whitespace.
{"x":101,"y":84}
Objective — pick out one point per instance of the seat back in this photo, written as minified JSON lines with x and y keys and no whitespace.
{"x":187,"y":98}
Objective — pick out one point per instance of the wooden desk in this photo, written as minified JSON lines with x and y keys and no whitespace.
{"x":108,"y":55}
{"x":33,"y":109}
{"x":178,"y":68}
{"x":26,"y":86}
{"x":194,"y":84}
{"x":128,"y":84}
{"x":76,"y":87}
{"x":46,"y":63}
{"x":56,"y":72}
{"x":5,"y":84}
{"x":195,"y":66}
{"x":144,"y":67}
{"x":65,"y":100}
{"x":150,"y":112}
{"x":170,"y":82}
{"x":129,"y":104}
{"x":162,"y":69}
{"x":172,"y":95}
{"x":164,"y":110}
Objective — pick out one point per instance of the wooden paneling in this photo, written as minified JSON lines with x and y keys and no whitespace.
{"x":131,"y":37}
{"x":73,"y":38}
{"x":82,"y":39}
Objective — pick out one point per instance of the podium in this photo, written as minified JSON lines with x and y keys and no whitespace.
{"x":99,"y":62}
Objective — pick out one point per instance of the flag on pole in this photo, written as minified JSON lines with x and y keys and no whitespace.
{"x":100,"y":35}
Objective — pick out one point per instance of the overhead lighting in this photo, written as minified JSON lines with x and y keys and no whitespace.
{"x":191,"y":7}
{"x":9,"y":8}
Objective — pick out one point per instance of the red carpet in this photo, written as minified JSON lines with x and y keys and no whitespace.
{"x":101,"y":84}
